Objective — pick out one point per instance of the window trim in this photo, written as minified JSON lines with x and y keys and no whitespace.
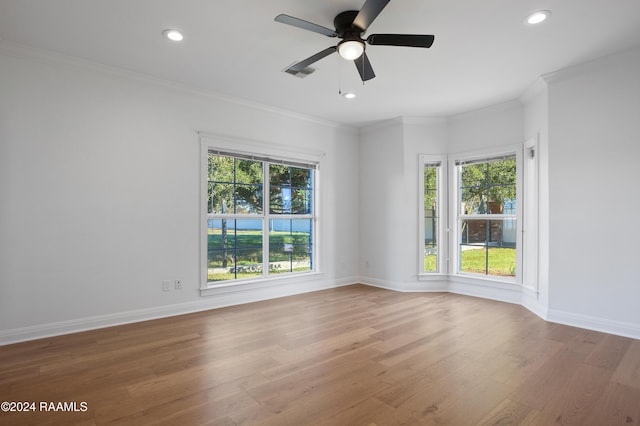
{"x":443,"y":257}
{"x":455,"y":217}
{"x":262,"y":151}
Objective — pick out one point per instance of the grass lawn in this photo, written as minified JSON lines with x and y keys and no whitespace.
{"x":246,"y":246}
{"x":502,"y":262}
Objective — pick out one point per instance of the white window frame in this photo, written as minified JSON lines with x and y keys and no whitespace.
{"x":270,"y":152}
{"x":456,"y":218}
{"x":442,"y":250}
{"x":530,"y":213}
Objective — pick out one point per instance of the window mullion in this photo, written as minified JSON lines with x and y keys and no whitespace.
{"x":495,"y":216}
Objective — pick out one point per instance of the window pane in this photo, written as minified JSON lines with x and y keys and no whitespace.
{"x":473,"y":259}
{"x":502,"y":198}
{"x":473,"y":200}
{"x":301,"y":201}
{"x":502,"y":171}
{"x":430,"y":219}
{"x":279,"y":174}
{"x":501,"y":262}
{"x":291,"y":190}
{"x":488,"y":247}
{"x":290,"y":245}
{"x":235,"y":185}
{"x":488,"y":188}
{"x":234,"y":249}
{"x":300,"y":178}
{"x":249,"y":262}
{"x":248,"y":199}
{"x":280,"y":200}
{"x":249,"y":172}
{"x":221,"y":197}
{"x":473,"y":176}
{"x":221,"y":169}
{"x":430,"y":244}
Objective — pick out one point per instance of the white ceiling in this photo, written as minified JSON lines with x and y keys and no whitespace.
{"x":483,"y":53}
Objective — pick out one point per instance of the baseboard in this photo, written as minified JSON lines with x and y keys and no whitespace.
{"x":603,"y":325}
{"x":412,"y":287}
{"x":102,"y":321}
{"x":375,"y":282}
{"x":509,"y":293}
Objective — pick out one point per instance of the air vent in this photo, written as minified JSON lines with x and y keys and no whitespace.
{"x":302,"y":73}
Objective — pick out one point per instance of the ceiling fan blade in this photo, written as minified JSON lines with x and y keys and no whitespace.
{"x":410,"y":40}
{"x":296,"y":68}
{"x":369,"y":13}
{"x":305,"y":25}
{"x":364,"y":67}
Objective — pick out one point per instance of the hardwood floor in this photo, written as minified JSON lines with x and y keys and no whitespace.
{"x":351,"y":356}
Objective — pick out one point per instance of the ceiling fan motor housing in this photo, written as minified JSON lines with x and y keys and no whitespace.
{"x":344,"y":25}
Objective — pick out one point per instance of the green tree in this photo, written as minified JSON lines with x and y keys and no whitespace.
{"x":235,"y":185}
{"x":291,"y":182}
{"x":486,"y":186}
{"x":430,"y":189}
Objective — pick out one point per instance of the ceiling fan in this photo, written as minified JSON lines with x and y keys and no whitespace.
{"x":350,"y":26}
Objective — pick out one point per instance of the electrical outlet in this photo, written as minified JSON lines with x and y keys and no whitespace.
{"x":166,"y":285}
{"x":178,"y":284}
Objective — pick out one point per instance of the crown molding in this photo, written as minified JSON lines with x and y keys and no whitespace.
{"x":51,"y":58}
{"x":538,"y":87}
{"x":614,"y":60}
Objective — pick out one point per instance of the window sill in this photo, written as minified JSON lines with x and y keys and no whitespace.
{"x":433,"y":276}
{"x":469,"y":279}
{"x":253,"y":284}
{"x":484,"y":280}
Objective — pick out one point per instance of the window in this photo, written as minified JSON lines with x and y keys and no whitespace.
{"x":431,"y":211}
{"x":487,"y":201}
{"x":260,"y":217}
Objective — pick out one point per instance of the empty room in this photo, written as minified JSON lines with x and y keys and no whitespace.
{"x":345,"y":212}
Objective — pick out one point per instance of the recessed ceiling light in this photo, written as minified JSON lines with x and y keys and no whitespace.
{"x":349,"y":95}
{"x":173,"y":35}
{"x":537,"y":17}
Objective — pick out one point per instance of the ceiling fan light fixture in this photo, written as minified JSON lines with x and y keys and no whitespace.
{"x":173,"y":35}
{"x":351,"y":49}
{"x":537,"y":17}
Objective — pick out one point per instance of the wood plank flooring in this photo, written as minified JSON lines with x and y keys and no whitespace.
{"x":355,"y":355}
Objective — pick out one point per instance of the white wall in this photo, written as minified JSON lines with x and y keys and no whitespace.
{"x":493,"y":126}
{"x":381,"y":202}
{"x":536,"y":217}
{"x":594,"y":147}
{"x":421,"y":136}
{"x":389,"y":153}
{"x":100,"y":184}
